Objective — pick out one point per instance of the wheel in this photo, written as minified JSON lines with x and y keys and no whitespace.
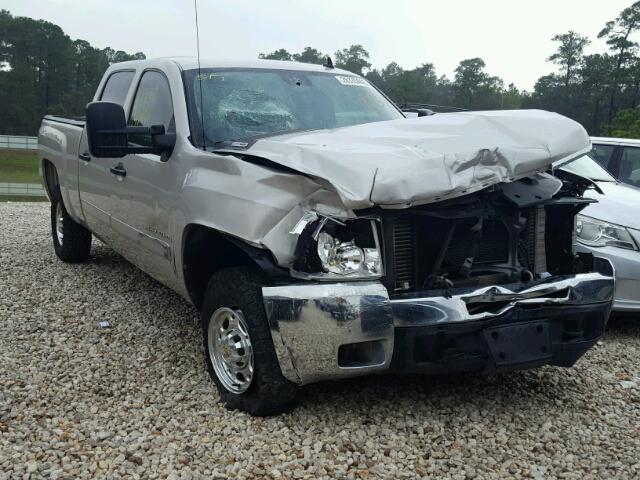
{"x":239,"y":350}
{"x":71,"y":241}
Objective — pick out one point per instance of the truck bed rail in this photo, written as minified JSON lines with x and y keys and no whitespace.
{"x":78,"y":121}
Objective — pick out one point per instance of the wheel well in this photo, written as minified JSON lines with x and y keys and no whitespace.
{"x":50,"y":174}
{"x":206,"y":251}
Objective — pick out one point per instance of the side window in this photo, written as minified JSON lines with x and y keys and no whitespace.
{"x":630,"y":166}
{"x":152,"y":105}
{"x":117,"y":87}
{"x":602,"y":154}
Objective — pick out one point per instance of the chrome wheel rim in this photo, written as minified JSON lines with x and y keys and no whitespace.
{"x":230,"y":349}
{"x":59,"y":223}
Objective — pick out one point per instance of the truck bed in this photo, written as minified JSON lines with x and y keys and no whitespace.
{"x":78,"y":121}
{"x":58,"y":144}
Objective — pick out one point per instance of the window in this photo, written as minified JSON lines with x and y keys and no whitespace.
{"x":630,"y":166}
{"x":152,"y":105}
{"x":117,"y":87}
{"x":241,"y":104}
{"x":586,"y":167}
{"x":602,"y":154}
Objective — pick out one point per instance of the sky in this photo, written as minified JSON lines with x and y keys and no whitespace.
{"x":512,"y":36}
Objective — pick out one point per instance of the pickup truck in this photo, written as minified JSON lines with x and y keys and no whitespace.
{"x":325,"y":234}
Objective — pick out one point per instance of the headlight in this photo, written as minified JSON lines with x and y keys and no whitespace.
{"x":343,"y":258}
{"x":596,"y":233}
{"x":330,"y":249}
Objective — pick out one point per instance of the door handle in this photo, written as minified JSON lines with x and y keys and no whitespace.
{"x":85,"y":157}
{"x":118,"y":170}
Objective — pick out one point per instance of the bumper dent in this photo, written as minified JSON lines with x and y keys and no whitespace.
{"x":310,"y":323}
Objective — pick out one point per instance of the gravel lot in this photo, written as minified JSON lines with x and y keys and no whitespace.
{"x":135,"y":401}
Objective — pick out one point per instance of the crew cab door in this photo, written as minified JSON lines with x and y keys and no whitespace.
{"x":96,"y":183}
{"x":147,"y":190}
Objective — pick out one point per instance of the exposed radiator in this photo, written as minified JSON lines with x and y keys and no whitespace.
{"x":417,"y":242}
{"x":539,"y":250}
{"x":403,"y":254}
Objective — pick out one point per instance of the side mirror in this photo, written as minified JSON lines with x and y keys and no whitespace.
{"x":106,"y":130}
{"x":108,"y":133}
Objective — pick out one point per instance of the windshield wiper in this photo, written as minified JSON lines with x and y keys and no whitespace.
{"x":232,"y":143}
{"x":246,"y":142}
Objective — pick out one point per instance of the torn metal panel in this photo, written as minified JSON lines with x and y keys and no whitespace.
{"x":241,"y":198}
{"x":282,"y":242}
{"x":406,"y":162}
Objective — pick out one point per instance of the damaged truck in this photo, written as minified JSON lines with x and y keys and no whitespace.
{"x":321,"y":232}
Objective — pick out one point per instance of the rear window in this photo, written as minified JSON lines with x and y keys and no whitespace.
{"x":630,"y":166}
{"x":117,"y":87}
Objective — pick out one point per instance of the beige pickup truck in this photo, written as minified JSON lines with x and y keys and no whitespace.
{"x":322,"y":232}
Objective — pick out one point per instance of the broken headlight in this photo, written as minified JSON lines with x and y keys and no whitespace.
{"x":330,"y":249}
{"x":596,"y":233}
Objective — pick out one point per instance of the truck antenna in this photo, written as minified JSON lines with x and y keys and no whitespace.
{"x":204,"y":141}
{"x":328,"y":63}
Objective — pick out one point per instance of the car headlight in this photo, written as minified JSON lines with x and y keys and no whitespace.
{"x":597,"y":233}
{"x":330,"y":249}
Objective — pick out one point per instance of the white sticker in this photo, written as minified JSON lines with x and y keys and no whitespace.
{"x":352,"y":81}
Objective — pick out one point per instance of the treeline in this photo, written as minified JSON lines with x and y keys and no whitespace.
{"x":43,"y":71}
{"x":601,"y":90}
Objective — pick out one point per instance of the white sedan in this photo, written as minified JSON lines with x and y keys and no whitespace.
{"x":611,"y":229}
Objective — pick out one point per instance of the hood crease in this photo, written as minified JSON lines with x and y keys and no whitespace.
{"x":413,"y":161}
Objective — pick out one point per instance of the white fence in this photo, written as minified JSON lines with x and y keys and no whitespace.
{"x":18,"y":143}
{"x":22,"y":189}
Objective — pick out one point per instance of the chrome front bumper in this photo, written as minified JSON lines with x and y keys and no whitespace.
{"x":329,"y":331}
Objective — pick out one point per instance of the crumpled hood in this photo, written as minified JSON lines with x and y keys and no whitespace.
{"x":405,"y":162}
{"x":620,"y":204}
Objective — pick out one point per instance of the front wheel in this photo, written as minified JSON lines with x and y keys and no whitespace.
{"x":239,"y":350}
{"x":71,"y":241}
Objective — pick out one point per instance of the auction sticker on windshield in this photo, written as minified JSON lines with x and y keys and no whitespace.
{"x":353,"y":81}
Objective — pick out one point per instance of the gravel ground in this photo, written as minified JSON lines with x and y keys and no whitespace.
{"x":135,"y":401}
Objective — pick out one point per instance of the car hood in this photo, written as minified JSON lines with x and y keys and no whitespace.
{"x":619,"y":204}
{"x":399,"y":163}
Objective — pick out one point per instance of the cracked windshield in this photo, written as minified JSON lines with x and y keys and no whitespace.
{"x":241,"y":105}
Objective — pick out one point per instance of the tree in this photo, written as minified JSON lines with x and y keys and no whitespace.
{"x":355,"y":59}
{"x":44,"y":71}
{"x":626,"y":124}
{"x":310,"y":55}
{"x":280,"y":54}
{"x":618,"y":33}
{"x":474,"y":88}
{"x":405,"y":86}
{"x":511,"y":98}
{"x":569,"y":53}
{"x":595,"y":74}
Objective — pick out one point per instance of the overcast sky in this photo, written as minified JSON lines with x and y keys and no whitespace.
{"x":512,"y":36}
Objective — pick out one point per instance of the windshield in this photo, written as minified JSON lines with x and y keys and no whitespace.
{"x":241,"y":104}
{"x":585,"y":166}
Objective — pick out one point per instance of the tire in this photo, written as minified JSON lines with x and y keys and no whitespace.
{"x":234,"y":296}
{"x":71,"y":241}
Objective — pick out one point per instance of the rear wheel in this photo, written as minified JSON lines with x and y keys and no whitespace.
{"x":71,"y":241}
{"x":239,"y":350}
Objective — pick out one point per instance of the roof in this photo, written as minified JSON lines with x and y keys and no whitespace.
{"x":615,"y":141}
{"x":191,"y":63}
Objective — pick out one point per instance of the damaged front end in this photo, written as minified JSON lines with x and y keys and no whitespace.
{"x":482,"y":282}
